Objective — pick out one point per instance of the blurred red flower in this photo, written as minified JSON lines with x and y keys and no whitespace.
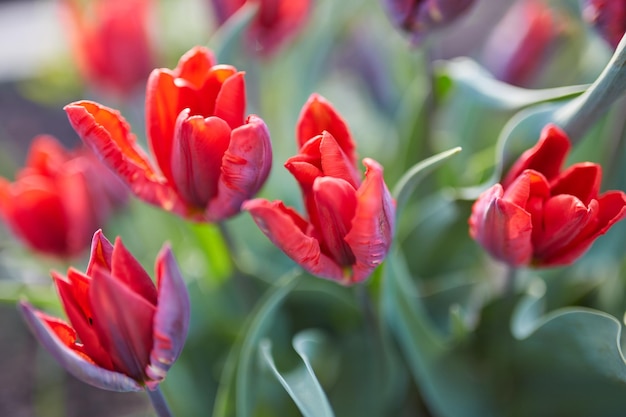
{"x":209,"y":157}
{"x":109,"y":345}
{"x":608,"y":17}
{"x":59,"y":198}
{"x":541,"y":215}
{"x":350,"y":222}
{"x":110,"y":40}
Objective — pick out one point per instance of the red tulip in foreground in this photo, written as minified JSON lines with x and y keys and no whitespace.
{"x":59,"y":198}
{"x":541,"y":215}
{"x":208,"y":158}
{"x":350,"y":222}
{"x":124,"y":333}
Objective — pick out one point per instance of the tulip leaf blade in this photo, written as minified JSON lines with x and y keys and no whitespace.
{"x":407,"y":183}
{"x":224,"y":40}
{"x":301,"y":383}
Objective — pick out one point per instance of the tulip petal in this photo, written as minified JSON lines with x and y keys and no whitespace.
{"x":287,"y":230}
{"x":128,"y":271}
{"x":123,"y":321}
{"x":245,"y":167}
{"x":580,"y":180}
{"x":197,"y":157}
{"x":336,"y":163}
{"x":504,"y":229}
{"x":101,"y":252}
{"x":318,"y":115}
{"x":70,"y":359}
{"x":194,"y":65}
{"x":171,"y":320}
{"x":564,"y":216}
{"x":108,"y":134}
{"x":373,"y":223}
{"x":230,"y":104}
{"x":546,"y":157}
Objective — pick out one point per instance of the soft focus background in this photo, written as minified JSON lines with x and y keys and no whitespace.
{"x":349,"y":52}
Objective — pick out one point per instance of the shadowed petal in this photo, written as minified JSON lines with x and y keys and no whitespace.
{"x":129,"y":272}
{"x":286,"y":229}
{"x":245,"y":167}
{"x":125,"y":334}
{"x":71,"y":360}
{"x":171,"y":320}
{"x":373,"y":223}
{"x":564,"y":216}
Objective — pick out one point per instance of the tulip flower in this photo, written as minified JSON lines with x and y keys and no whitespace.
{"x":608,"y":17}
{"x":110,"y":40}
{"x":350,"y":223}
{"x":542,"y":215}
{"x":58,"y":199}
{"x":420,"y":17}
{"x":275,"y":24}
{"x":208,"y":157}
{"x":124,"y":333}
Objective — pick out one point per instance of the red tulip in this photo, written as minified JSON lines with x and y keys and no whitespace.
{"x":58,"y":199}
{"x":208,"y":157}
{"x":541,"y":215}
{"x":350,"y":223}
{"x":124,"y":333}
{"x":110,"y":39}
{"x":608,"y":17}
{"x":276,"y":22}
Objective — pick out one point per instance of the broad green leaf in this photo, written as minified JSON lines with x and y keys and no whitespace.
{"x":413,"y":176}
{"x":301,"y":383}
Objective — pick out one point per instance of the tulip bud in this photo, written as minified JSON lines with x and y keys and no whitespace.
{"x":608,"y":17}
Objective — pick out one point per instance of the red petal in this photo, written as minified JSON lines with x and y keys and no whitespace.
{"x":286,"y":229}
{"x":336,"y":163}
{"x":101,"y":252}
{"x":546,"y":157}
{"x":126,"y":333}
{"x":318,"y":115}
{"x":194,"y":65}
{"x":203,"y":101}
{"x":373,"y":223}
{"x":230,"y":104}
{"x":580,"y":180}
{"x":171,"y":320}
{"x":245,"y":167}
{"x":197,"y":157}
{"x":564,"y":216}
{"x":55,"y":336}
{"x":128,"y":271}
{"x":45,"y":157}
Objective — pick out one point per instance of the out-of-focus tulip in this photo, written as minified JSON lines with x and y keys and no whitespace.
{"x":58,"y":199}
{"x":417,"y":18}
{"x":209,"y":156}
{"x":608,"y":17}
{"x":110,"y":40}
{"x":276,"y":22}
{"x":350,"y":222}
{"x":520,"y":42}
{"x":541,"y":215}
{"x":124,"y":333}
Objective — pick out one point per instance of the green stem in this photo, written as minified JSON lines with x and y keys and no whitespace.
{"x":158,"y":402}
{"x":581,"y":113}
{"x":509,"y":281}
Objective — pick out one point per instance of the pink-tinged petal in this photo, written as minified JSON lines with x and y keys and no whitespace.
{"x":286,"y":229}
{"x":123,"y":321}
{"x":580,"y":180}
{"x":336,"y":163}
{"x":318,"y":115}
{"x":73,"y":362}
{"x":230,"y":104}
{"x":129,"y":272}
{"x":502,"y":228}
{"x":108,"y":134}
{"x":306,"y":166}
{"x":194,"y":65}
{"x":73,"y":292}
{"x":245,"y":167}
{"x":197,"y":157}
{"x":529,"y":183}
{"x":101,"y":252}
{"x":335,"y":206}
{"x":612,"y":209}
{"x":171,"y":320}
{"x":373,"y":223}
{"x":546,"y":157}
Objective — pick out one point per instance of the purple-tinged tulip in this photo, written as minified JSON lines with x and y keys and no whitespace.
{"x":124,"y":332}
{"x":608,"y":17}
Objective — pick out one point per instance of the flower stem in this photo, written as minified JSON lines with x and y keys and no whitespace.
{"x":509,"y":281}
{"x":158,"y":402}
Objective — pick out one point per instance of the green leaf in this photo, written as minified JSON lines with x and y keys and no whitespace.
{"x":406,"y":185}
{"x":224,"y":41}
{"x":301,"y":383}
{"x":215,"y":250}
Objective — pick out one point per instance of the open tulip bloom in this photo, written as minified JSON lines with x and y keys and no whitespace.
{"x":540,"y":215}
{"x":124,"y":332}
{"x":208,"y":158}
{"x":350,"y":222}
